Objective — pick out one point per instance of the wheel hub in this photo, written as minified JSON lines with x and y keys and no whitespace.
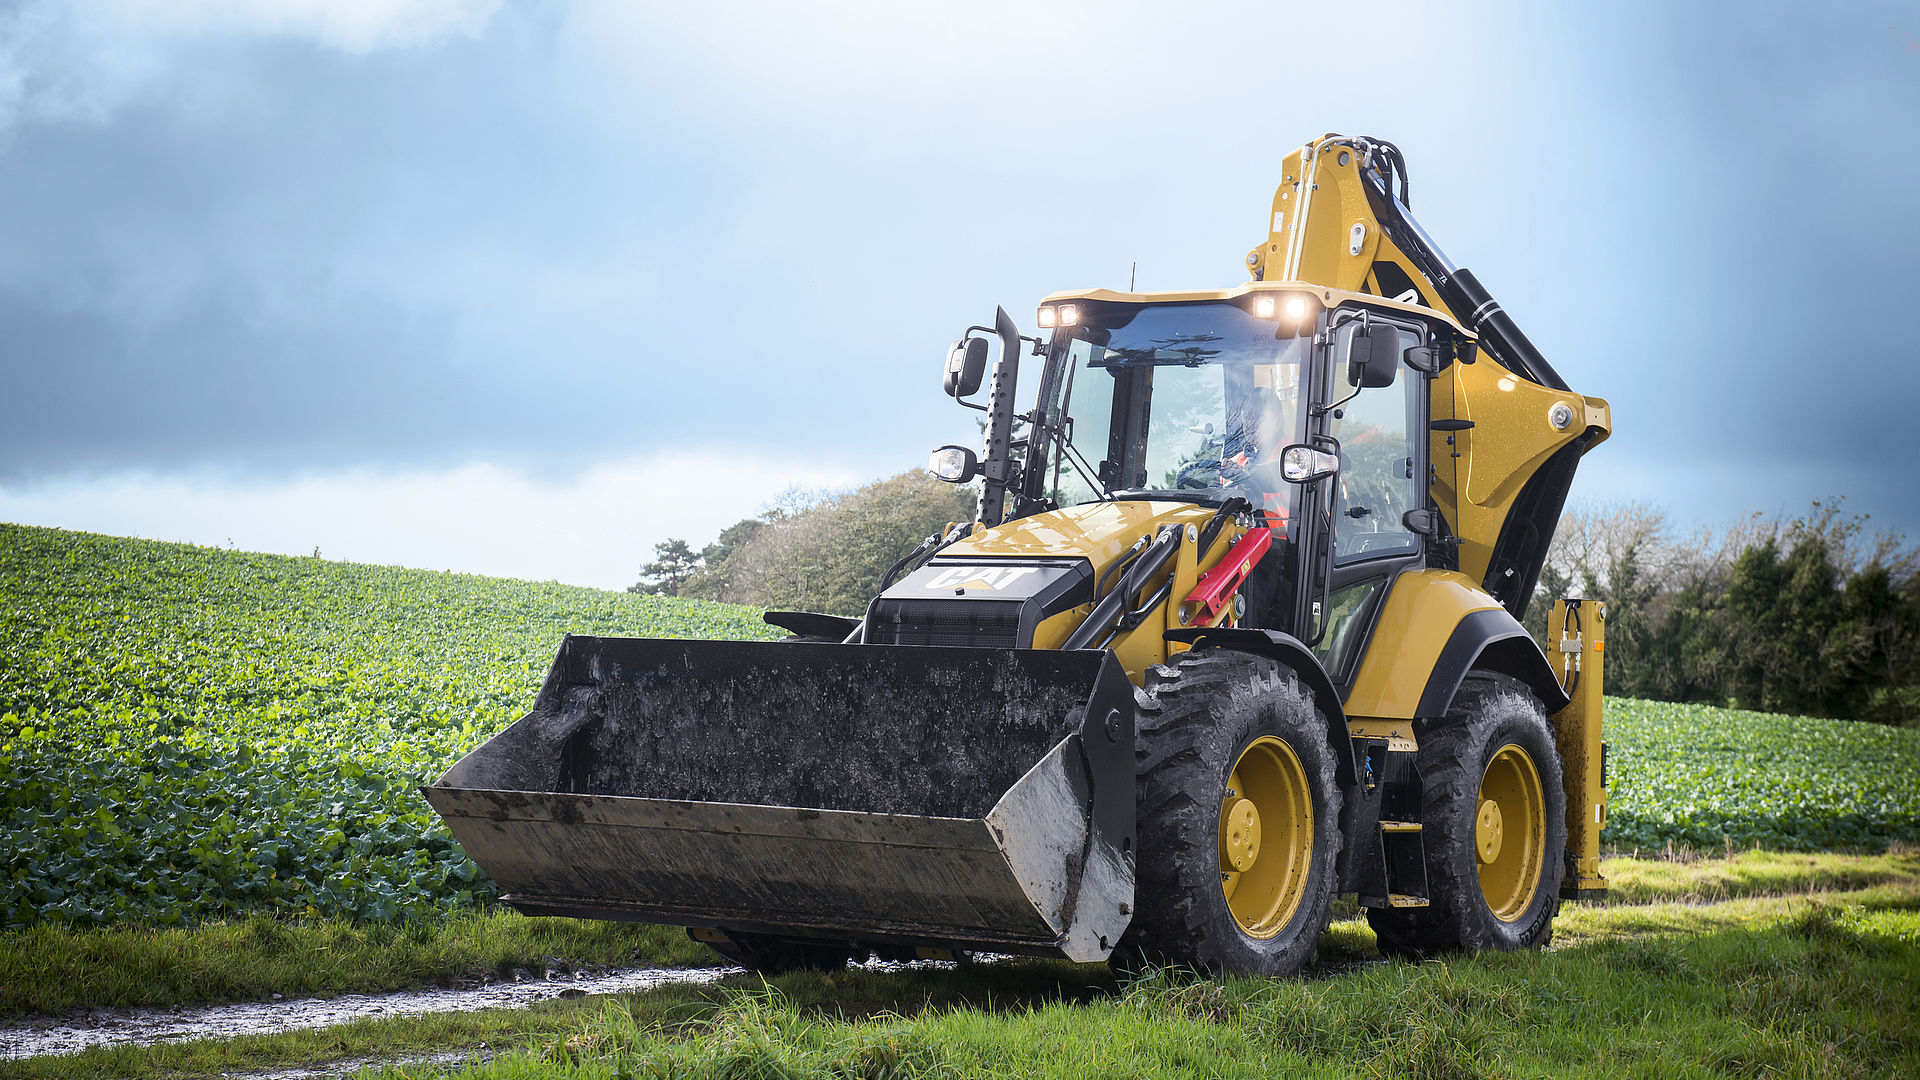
{"x":1487,"y":829}
{"x":1240,"y":836}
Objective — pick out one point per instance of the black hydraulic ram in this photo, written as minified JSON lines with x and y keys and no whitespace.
{"x":1476,"y":308}
{"x":1101,"y":620}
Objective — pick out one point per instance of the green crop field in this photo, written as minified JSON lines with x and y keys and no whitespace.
{"x":188,"y":733}
{"x":1701,"y":777}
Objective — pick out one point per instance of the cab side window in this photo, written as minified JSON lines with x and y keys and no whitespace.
{"x":1376,"y":485}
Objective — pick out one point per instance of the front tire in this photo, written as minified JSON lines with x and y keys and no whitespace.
{"x":1238,"y":818}
{"x":1494,"y":825}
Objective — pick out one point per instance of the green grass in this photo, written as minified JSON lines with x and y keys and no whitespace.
{"x":50,"y":968}
{"x":1808,"y":984}
{"x":1753,"y":873}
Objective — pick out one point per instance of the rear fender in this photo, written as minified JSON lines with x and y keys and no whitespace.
{"x":1494,"y":641}
{"x":1434,"y":628}
{"x":1291,"y":651}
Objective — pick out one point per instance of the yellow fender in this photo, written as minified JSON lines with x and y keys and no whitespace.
{"x":1434,"y":627}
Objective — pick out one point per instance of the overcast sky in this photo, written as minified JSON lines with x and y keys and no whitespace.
{"x":523,"y":288}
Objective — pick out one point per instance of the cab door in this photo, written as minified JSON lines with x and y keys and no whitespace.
{"x":1380,"y":437}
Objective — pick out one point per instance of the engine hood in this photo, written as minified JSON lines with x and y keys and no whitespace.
{"x":1098,"y":532}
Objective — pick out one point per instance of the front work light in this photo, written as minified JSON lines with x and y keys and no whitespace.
{"x":1263,"y":307}
{"x":1302,"y":464}
{"x":1052,"y":315}
{"x":954,"y":464}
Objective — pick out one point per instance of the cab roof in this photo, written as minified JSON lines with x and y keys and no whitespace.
{"x":1330,"y":298}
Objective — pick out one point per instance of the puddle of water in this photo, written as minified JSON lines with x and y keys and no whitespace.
{"x":82,"y":1028}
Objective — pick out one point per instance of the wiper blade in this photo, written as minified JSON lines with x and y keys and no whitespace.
{"x":1203,"y":496}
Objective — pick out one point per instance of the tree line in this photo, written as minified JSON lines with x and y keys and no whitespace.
{"x":812,"y":551}
{"x":1810,"y":616}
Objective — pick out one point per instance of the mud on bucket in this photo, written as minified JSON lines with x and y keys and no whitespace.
{"x":956,"y":797}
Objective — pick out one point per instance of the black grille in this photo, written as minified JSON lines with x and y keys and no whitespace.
{"x":992,"y":624}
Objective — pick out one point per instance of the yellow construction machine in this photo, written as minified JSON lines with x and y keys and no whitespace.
{"x":1237,"y":629}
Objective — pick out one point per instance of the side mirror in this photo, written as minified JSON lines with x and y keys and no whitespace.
{"x":1303,"y":464}
{"x":1373,"y":356}
{"x":966,"y":366}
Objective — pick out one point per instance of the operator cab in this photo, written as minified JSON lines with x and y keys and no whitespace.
{"x":1197,"y":398}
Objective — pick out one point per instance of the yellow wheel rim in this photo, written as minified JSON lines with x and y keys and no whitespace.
{"x":1509,"y":832}
{"x":1266,"y":837}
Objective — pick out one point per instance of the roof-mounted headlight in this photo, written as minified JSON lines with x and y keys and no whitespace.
{"x":1288,"y":309}
{"x":1052,"y":315}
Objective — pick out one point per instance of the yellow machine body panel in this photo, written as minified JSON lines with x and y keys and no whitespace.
{"x":1102,"y":533}
{"x":1322,"y":230}
{"x":1578,"y":629}
{"x":1517,"y":426}
{"x":1418,"y":617}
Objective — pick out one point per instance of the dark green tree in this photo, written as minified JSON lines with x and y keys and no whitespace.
{"x":674,"y":562}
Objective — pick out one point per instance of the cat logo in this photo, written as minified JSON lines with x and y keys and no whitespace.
{"x":990,"y":578}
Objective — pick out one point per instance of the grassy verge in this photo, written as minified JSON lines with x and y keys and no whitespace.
{"x":1693,"y":878}
{"x":1807,"y":976}
{"x":47,"y":969}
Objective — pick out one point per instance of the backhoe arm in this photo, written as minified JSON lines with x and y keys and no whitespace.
{"x":1338,"y":222}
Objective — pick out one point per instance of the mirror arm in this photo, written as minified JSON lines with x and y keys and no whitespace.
{"x":1322,"y":410}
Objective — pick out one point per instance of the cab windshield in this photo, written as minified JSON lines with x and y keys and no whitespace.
{"x":1189,"y":401}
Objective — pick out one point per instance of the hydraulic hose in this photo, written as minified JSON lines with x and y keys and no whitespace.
{"x":1459,"y":289}
{"x":1112,"y":605}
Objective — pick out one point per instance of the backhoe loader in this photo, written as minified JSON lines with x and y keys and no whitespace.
{"x":1236,"y":629}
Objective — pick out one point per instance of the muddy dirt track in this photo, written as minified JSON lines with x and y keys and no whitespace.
{"x":82,"y":1028}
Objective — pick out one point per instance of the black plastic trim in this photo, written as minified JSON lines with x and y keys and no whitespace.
{"x":1489,"y":640}
{"x":1060,"y":592}
{"x":811,"y":624}
{"x":1520,"y":551}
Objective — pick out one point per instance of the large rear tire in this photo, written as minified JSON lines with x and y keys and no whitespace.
{"x":1494,"y":825}
{"x":1238,"y":818}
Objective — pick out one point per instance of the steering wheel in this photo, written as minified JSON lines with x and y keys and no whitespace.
{"x":1203,"y":473}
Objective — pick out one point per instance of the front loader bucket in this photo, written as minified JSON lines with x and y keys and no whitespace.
{"x":948,"y":797}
